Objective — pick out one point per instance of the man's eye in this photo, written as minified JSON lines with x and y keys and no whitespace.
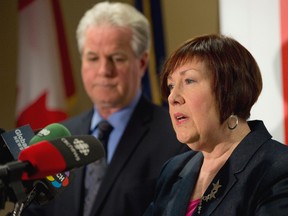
{"x":118,"y":59}
{"x":92,"y":58}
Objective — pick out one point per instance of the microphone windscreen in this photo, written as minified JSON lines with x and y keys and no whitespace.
{"x":44,"y":158}
{"x":52,"y":131}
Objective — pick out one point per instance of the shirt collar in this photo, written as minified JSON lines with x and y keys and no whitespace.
{"x":119,"y":117}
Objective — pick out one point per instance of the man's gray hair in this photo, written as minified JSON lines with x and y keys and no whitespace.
{"x":119,"y":15}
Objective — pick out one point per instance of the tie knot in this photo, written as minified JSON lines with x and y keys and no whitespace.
{"x":104,"y":130}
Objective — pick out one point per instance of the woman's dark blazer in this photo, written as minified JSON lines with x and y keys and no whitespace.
{"x":147,"y":143}
{"x":254,"y":180}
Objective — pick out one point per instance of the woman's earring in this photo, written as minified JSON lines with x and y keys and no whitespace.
{"x":232,"y":122}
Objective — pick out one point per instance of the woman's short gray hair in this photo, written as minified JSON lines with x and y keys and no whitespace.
{"x":120,"y":15}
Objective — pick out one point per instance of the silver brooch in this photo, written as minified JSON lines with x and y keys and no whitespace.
{"x":211,"y":195}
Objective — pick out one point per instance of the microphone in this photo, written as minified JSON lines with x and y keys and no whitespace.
{"x":56,"y":156}
{"x":52,"y":131}
{"x":2,"y":148}
{"x":44,"y":190}
{"x":59,"y":155}
{"x":11,"y":144}
{"x":13,"y":141}
{"x":49,"y":158}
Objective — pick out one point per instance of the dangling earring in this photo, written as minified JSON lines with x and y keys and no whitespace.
{"x":233,"y":119}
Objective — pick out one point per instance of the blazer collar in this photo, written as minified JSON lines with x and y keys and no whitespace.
{"x":181,"y":191}
{"x":225,"y":179}
{"x":227,"y":176}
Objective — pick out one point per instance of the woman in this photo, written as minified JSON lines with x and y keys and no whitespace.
{"x":235,"y":167}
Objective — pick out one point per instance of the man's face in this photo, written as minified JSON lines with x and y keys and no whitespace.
{"x":111,"y":72}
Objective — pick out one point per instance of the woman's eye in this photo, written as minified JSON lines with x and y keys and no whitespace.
{"x":170,"y":86}
{"x":189,"y":81}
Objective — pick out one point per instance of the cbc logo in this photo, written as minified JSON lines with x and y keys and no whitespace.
{"x":60,"y":179}
{"x":81,"y":146}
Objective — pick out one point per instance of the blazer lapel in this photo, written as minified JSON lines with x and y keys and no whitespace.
{"x":216,"y":191}
{"x":125,"y":149}
{"x":183,"y":188}
{"x":227,"y":176}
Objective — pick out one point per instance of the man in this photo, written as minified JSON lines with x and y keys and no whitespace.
{"x":114,"y":40}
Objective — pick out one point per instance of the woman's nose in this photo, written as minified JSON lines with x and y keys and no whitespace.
{"x":175,"y":97}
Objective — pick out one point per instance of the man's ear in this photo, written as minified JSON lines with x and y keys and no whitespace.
{"x":144,"y":61}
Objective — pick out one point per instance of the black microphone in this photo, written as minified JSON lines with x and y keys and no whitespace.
{"x":51,"y":157}
{"x":59,"y":155}
{"x":3,"y":148}
{"x":11,"y":143}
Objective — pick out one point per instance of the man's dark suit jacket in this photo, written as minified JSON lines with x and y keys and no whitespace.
{"x":254,"y":180}
{"x":147,"y":143}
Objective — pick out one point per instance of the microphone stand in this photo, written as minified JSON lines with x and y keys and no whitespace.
{"x":10,"y":176}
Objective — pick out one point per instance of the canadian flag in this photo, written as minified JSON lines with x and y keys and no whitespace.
{"x":45,"y":82}
{"x":262,"y":27}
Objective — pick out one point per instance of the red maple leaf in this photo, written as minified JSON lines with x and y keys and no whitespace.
{"x":37,"y":115}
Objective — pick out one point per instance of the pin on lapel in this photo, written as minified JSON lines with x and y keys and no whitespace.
{"x":211,"y":195}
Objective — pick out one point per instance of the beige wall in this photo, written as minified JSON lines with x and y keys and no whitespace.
{"x":182,"y":20}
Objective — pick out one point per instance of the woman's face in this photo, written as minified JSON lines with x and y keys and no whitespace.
{"x":192,"y":106}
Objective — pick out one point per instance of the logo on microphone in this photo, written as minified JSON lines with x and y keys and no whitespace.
{"x":44,"y":132}
{"x":60,"y":179}
{"x":78,"y":147}
{"x":81,"y":146}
